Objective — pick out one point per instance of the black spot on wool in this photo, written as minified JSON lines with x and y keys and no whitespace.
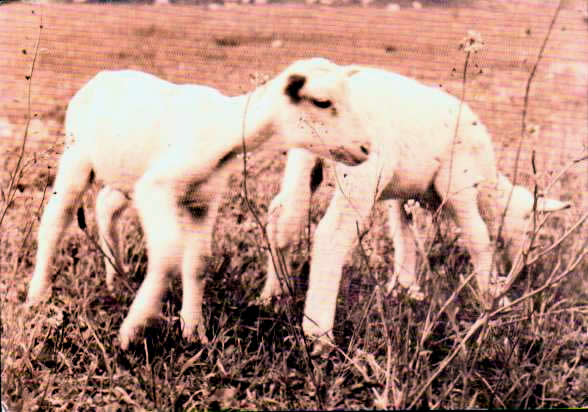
{"x":316,"y":175}
{"x":193,"y":203}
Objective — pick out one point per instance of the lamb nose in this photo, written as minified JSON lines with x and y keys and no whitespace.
{"x":364,"y":150}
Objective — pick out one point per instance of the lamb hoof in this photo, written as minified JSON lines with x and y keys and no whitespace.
{"x":321,"y":347}
{"x":263,"y":300}
{"x":110,"y":283}
{"x":110,"y":288}
{"x":191,"y":327}
{"x":191,"y":338}
{"x":321,"y":341}
{"x":126,"y":336}
{"x":34,"y":299}
{"x":412,"y":290}
{"x":486,"y":300}
{"x":504,"y":301}
{"x":202,"y":334}
{"x":488,"y":294}
{"x":267,"y":295}
{"x":111,"y":278}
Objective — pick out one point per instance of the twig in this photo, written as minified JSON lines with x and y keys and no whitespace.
{"x":456,"y":130}
{"x":480,"y":322}
{"x":550,"y":283}
{"x":565,"y":169}
{"x":456,"y":292}
{"x":576,"y":225}
{"x":524,"y":119}
{"x":444,"y":200}
{"x":582,"y":309}
{"x":30,"y":226}
{"x":15,"y":178}
{"x":382,"y":311}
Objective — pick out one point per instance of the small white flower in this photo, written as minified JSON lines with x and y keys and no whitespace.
{"x":472,"y":42}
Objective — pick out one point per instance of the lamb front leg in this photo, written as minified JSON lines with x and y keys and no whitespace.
{"x":287,"y":216}
{"x":156,"y":205}
{"x":357,"y":190}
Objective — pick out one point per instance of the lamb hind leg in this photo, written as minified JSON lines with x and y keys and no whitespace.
{"x":405,"y":252}
{"x":110,"y":203}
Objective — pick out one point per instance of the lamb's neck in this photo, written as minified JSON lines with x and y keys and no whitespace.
{"x":253,"y":120}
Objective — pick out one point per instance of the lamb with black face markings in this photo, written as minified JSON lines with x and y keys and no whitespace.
{"x":170,"y":148}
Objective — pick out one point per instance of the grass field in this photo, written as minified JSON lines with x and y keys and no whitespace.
{"x":393,"y":353}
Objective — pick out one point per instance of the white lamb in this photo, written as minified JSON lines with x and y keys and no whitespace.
{"x":170,"y":147}
{"x":416,"y":153}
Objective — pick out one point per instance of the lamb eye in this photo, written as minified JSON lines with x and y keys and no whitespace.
{"x":321,"y":104}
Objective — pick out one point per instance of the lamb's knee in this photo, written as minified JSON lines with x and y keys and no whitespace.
{"x":479,"y":246}
{"x":286,"y":219}
{"x":157,"y":208}
{"x":276,"y":227}
{"x":337,"y":220}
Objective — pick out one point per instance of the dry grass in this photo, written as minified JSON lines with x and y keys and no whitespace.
{"x":392,"y":352}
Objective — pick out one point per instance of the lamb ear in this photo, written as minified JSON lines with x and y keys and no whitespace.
{"x":295,"y":84}
{"x":551,"y":205}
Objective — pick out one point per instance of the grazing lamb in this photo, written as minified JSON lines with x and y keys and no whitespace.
{"x":170,"y":148}
{"x":416,"y":153}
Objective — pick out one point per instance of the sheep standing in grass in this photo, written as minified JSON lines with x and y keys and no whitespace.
{"x":170,"y":148}
{"x":426,"y":145}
